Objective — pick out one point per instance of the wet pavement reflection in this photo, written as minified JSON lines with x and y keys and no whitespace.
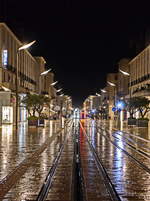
{"x":131,"y":181}
{"x":130,"y":178}
{"x":15,"y":148}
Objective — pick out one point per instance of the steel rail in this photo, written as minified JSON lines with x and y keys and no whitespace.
{"x":129,"y":155}
{"x":102,"y":170}
{"x":48,"y":181}
{"x":132,"y":141}
{"x":136,"y":149}
{"x":81,"y":195}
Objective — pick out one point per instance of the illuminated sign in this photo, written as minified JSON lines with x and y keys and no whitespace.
{"x":5,"y":58}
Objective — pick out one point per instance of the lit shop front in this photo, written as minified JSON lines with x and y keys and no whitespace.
{"x":6,"y":107}
{"x":7,"y":114}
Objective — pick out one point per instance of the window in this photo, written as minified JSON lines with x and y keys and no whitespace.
{"x":4,"y":58}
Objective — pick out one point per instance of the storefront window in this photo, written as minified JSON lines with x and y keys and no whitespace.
{"x":7,"y":114}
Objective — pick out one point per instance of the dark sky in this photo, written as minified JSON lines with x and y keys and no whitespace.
{"x":83,"y":40}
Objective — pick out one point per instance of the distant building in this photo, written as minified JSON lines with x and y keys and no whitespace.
{"x":112,"y":93}
{"x":92,"y":102}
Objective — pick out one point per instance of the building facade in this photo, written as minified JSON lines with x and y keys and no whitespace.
{"x":140,"y":75}
{"x":29,"y":78}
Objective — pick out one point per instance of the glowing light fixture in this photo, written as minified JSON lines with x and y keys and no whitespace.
{"x":103,"y":90}
{"x":111,"y":84}
{"x":59,"y":90}
{"x":45,"y":72}
{"x":120,"y":105}
{"x":98,"y":94}
{"x":123,"y":72}
{"x":54,"y":83}
{"x":6,"y":89}
{"x":26,"y":45}
{"x":17,"y":63}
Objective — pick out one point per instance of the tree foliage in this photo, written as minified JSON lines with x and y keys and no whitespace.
{"x":140,"y":104}
{"x":35,"y":103}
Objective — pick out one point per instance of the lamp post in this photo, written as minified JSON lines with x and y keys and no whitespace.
{"x":58,"y":90}
{"x":54,"y":83}
{"x":45,"y":72}
{"x":40,"y":79}
{"x":103,"y":90}
{"x":61,"y":106}
{"x":104,"y":106}
{"x":23,"y":47}
{"x":129,"y":75}
{"x":97,"y":94}
{"x":113,"y":85}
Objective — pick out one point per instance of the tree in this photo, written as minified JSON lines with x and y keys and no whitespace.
{"x":35,"y":103}
{"x":131,"y":106}
{"x":139,"y":103}
{"x":142,"y":105}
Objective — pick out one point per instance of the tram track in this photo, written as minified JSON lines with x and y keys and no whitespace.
{"x":119,"y":168}
{"x":83,"y":184}
{"x":104,"y":179}
{"x":133,"y":147}
{"x":79,"y":173}
{"x":140,"y":145}
{"x":13,"y":177}
{"x":47,"y":185}
{"x":139,"y":163}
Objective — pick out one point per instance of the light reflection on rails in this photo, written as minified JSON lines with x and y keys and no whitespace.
{"x":139,"y":163}
{"x":48,"y":181}
{"x":102,"y":170}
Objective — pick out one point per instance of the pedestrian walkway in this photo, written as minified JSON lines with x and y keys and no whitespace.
{"x":22,"y":154}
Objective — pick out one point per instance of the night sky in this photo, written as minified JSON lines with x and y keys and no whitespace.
{"x":82,"y":40}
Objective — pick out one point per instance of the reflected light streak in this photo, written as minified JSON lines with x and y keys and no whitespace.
{"x":22,"y":137}
{"x":93,"y":132}
{"x":51,"y":128}
{"x":7,"y":130}
{"x":118,"y":161}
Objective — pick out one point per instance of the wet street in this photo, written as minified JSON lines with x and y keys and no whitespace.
{"x":26,"y":159}
{"x":29,"y":155}
{"x":126,"y":157}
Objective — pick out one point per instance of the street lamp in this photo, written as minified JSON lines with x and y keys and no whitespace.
{"x":59,"y":90}
{"x":103,"y":90}
{"x":61,"y":105}
{"x":124,"y":73}
{"x":129,"y":75}
{"x":98,"y":94}
{"x":45,"y":72}
{"x":54,"y":83}
{"x":23,"y":47}
{"x":111,"y":84}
